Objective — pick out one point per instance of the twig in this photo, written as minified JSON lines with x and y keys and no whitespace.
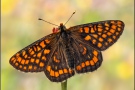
{"x":64,"y":85}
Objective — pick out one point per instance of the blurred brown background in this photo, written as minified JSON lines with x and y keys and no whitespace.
{"x":20,"y":27}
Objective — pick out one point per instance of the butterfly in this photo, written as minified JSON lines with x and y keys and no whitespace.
{"x":65,"y":52}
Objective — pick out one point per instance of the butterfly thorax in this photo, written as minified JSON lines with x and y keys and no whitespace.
{"x":66,"y":42}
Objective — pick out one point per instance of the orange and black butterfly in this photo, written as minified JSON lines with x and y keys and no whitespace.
{"x":68,"y":51}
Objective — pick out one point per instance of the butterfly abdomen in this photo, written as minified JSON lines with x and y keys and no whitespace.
{"x":68,"y":49}
{"x":70,"y":57}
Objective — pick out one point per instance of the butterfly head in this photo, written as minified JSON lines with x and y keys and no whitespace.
{"x":62,"y":27}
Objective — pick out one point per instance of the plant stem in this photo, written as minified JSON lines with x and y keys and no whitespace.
{"x":64,"y":85}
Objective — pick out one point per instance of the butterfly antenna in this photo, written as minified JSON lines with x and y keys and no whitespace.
{"x":47,"y":22}
{"x":70,"y":16}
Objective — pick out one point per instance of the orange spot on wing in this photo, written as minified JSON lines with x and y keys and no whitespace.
{"x":114,"y":37}
{"x":95,"y":35}
{"x":78,"y":67}
{"x":92,"y":30}
{"x":100,"y":39}
{"x":19,"y":59}
{"x":87,"y":37}
{"x":48,"y":68}
{"x":119,"y":25}
{"x":47,"y":41}
{"x":84,"y":50}
{"x":95,"y":59}
{"x":56,"y":74}
{"x":87,"y":63}
{"x":109,"y":40}
{"x":30,"y":49}
{"x":112,"y":22}
{"x":95,"y":28}
{"x":23,"y":53}
{"x":104,"y":35}
{"x":35,"y":67}
{"x":114,"y":27}
{"x":106,"y":28}
{"x":41,"y":64}
{"x":46,"y":51}
{"x":23,"y":61}
{"x":12,"y":59}
{"x":100,"y":29}
{"x":99,"y":45}
{"x":99,"y":26}
{"x":70,"y":71}
{"x":99,"y":33}
{"x":106,"y":24}
{"x":30,"y":67}
{"x":83,"y":64}
{"x":81,"y":30}
{"x":32,"y":52}
{"x":17,"y":54}
{"x":108,"y":33}
{"x":119,"y":29}
{"x":20,"y":66}
{"x":24,"y":68}
{"x":38,"y":48}
{"x":32,"y":60}
{"x":55,"y":59}
{"x":42,"y":44}
{"x":52,"y":73}
{"x":112,"y":30}
{"x":119,"y":22}
{"x":65,"y":71}
{"x":117,"y":33}
{"x":60,"y":71}
{"x":86,"y":29}
{"x":43,"y":58}
{"x":16,"y":64}
{"x":94,"y":41}
{"x":39,"y":55}
{"x":106,"y":43}
{"x":34,"y":55}
{"x":25,"y":56}
{"x":95,"y":52}
{"x":91,"y":62}
{"x":37,"y":61}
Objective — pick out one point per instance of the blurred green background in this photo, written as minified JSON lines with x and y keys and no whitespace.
{"x":20,"y":27}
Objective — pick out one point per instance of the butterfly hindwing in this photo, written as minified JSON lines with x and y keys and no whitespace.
{"x":87,"y":59}
{"x":57,"y":68}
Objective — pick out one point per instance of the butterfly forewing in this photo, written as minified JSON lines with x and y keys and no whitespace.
{"x":34,"y":57}
{"x":99,"y":35}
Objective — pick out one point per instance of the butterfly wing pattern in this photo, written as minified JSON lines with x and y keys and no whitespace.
{"x":68,"y":51}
